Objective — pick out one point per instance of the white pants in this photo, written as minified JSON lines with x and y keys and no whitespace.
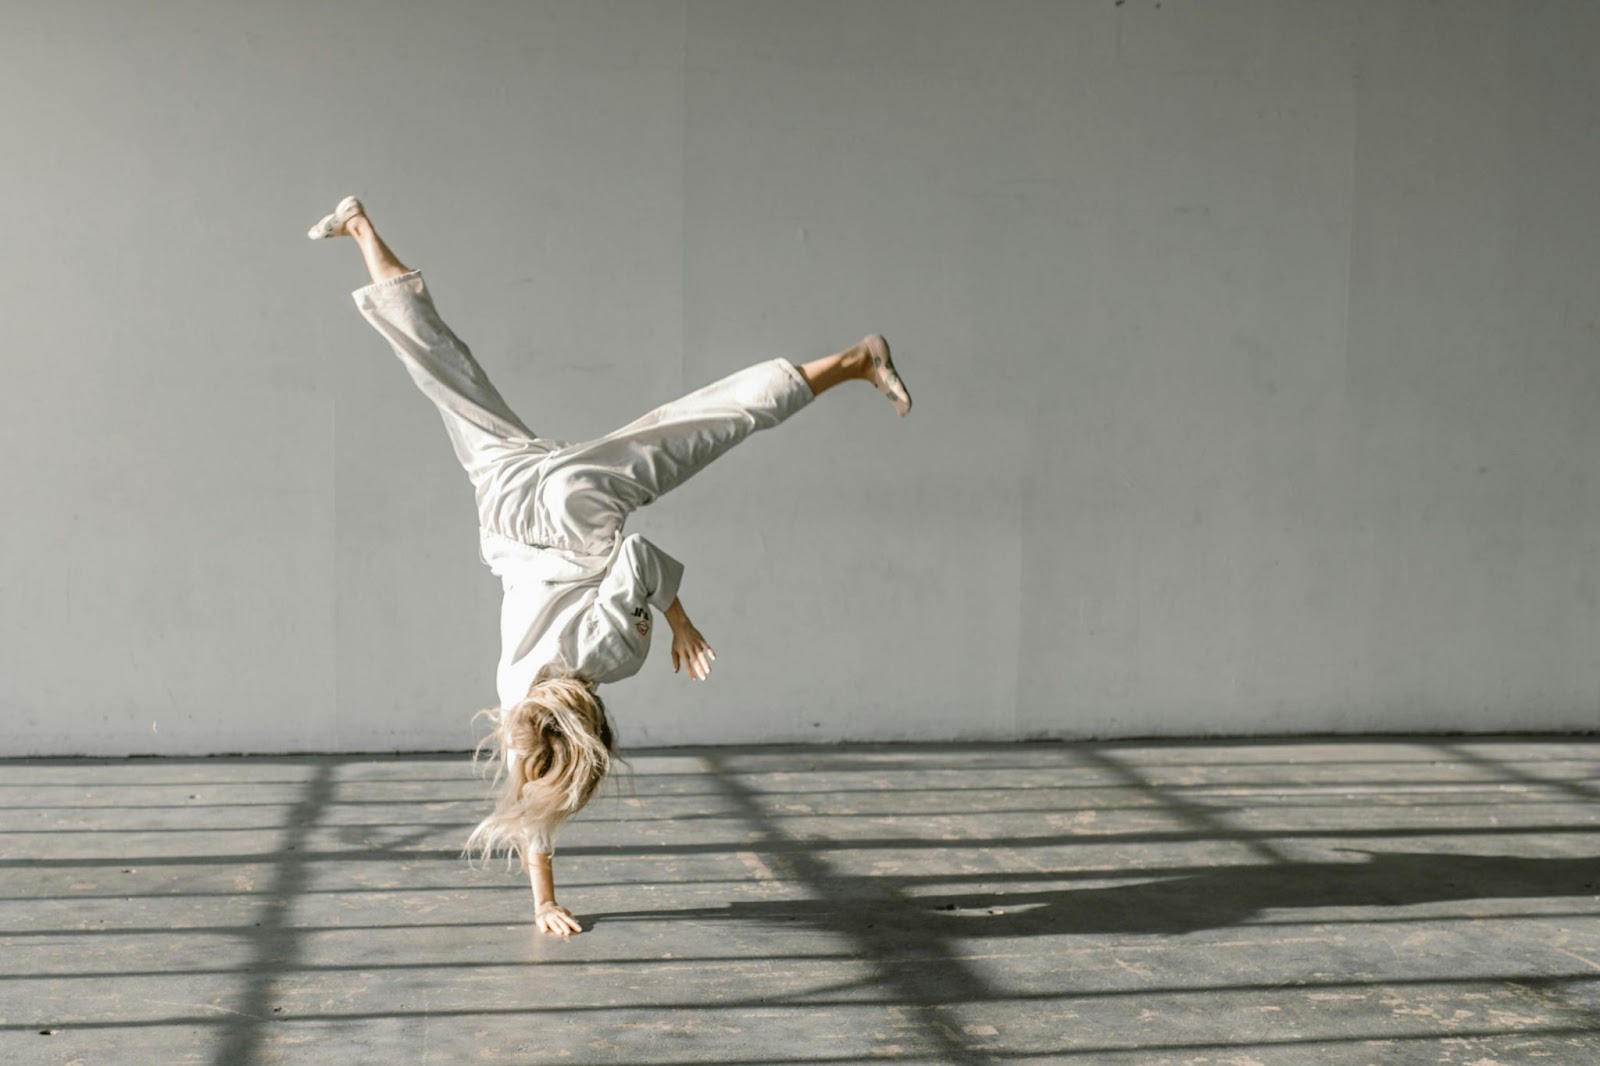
{"x":549,"y":494}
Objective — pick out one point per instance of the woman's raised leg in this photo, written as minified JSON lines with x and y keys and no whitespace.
{"x":490,"y":441}
{"x":591,"y":487}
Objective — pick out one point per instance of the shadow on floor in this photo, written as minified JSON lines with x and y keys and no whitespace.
{"x":1215,"y":899}
{"x":913,"y":944}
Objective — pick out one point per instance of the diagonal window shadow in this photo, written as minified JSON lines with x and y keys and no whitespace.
{"x":911,"y":939}
{"x":275,"y":941}
{"x":933,"y":984}
{"x":1502,"y":769}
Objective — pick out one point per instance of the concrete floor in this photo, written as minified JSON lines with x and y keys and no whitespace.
{"x":1419,"y":900}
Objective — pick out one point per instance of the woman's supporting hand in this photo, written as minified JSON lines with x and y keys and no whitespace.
{"x":551,"y":917}
{"x":689,"y":648}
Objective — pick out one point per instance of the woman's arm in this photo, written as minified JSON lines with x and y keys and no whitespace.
{"x":548,"y":915}
{"x":688,"y":646}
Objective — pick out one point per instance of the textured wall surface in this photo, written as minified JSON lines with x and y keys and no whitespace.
{"x":1253,"y":343}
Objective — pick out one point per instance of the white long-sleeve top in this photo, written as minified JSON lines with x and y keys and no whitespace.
{"x":591,"y":612}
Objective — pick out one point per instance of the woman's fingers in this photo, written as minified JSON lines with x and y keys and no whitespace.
{"x":693,"y":655}
{"x":558,"y":921}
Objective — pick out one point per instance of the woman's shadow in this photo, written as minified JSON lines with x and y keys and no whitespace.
{"x":1225,"y":896}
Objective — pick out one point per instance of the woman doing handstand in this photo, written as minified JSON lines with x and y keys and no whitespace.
{"x":576,"y":612}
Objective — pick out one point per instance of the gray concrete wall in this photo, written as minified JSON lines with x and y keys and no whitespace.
{"x":1254,"y":347}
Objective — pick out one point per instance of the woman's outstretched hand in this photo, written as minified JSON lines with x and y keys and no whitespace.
{"x":555,"y":919}
{"x":689,"y":648}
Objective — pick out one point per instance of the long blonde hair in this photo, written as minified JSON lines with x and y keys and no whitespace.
{"x":553,"y":750}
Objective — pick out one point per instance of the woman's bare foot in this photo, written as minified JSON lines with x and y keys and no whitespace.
{"x":337,"y":223}
{"x":866,"y":360}
{"x":880,"y":371}
{"x":350,"y":219}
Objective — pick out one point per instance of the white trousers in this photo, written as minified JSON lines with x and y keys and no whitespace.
{"x":549,"y":494}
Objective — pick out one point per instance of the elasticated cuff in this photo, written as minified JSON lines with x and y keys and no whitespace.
{"x":801,"y":393}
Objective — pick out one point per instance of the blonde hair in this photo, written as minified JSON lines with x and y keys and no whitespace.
{"x":553,"y":749}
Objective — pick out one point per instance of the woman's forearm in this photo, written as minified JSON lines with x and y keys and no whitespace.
{"x":543,"y":880}
{"x":548,"y":915}
{"x":677,"y":617}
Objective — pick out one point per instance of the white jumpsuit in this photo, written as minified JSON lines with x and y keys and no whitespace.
{"x":550,"y":514}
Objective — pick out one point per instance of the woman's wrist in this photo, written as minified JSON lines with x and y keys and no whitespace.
{"x":677,"y":617}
